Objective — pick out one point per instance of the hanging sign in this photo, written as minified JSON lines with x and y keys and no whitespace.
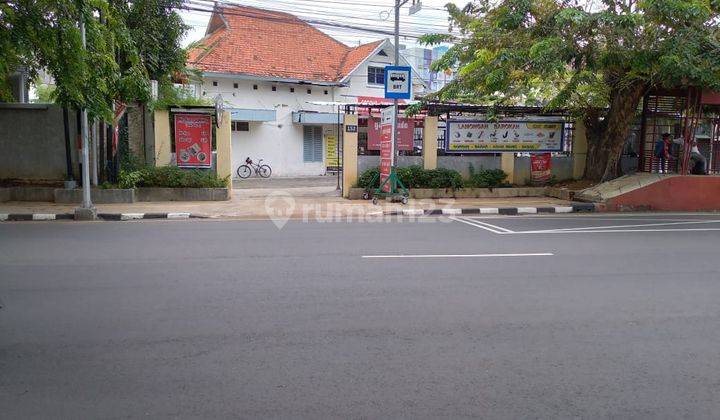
{"x":398,"y":82}
{"x":332,"y":161}
{"x":193,"y":140}
{"x":504,"y":136}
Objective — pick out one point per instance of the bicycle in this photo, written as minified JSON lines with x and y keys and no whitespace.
{"x":263,"y":171}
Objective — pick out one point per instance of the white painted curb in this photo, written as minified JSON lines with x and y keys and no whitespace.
{"x":489,"y":211}
{"x":178,"y":215}
{"x":527,"y":210}
{"x":451,"y":211}
{"x":563,"y":209}
{"x":3,"y":217}
{"x":41,"y":216}
{"x":131,"y":216}
{"x":413,"y":212}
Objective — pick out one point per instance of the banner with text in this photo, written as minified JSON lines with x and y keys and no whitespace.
{"x":504,"y":136}
{"x":406,"y":133}
{"x":193,"y":140}
{"x":386,"y":149}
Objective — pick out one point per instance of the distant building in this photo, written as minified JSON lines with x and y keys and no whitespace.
{"x":421,"y":60}
{"x":282,"y":80}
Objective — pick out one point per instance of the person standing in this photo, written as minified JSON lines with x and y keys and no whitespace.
{"x":662,"y":153}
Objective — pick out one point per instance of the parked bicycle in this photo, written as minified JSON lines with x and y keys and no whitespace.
{"x":263,"y":171}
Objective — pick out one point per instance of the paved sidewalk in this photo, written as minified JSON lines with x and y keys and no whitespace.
{"x":280,"y":202}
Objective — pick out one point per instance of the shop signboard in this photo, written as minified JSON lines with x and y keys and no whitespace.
{"x":405,"y":132}
{"x":540,"y":168}
{"x":504,"y":136}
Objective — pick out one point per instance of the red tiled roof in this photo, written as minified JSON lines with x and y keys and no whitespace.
{"x":264,"y":43}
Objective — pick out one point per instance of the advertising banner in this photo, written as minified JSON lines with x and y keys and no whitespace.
{"x":332,"y":161}
{"x":406,"y":133}
{"x":504,"y":136}
{"x":386,"y":149}
{"x":540,"y":168}
{"x":193,"y":140}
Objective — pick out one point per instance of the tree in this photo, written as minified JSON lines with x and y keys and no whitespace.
{"x":127,"y":43}
{"x":596,"y":58}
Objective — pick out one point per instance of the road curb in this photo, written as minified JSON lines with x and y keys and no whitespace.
{"x":27,"y":217}
{"x":506,"y":211}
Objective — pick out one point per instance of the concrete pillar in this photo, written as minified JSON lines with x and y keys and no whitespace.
{"x":430,"y":143}
{"x":579,"y":149}
{"x":163,"y":150}
{"x":349,"y":155}
{"x":507,"y":164}
{"x":223,"y":144}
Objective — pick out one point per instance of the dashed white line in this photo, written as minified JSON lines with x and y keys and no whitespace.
{"x":535,"y":254}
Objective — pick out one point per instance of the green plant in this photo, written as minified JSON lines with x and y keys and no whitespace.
{"x":487,"y":178}
{"x":129,"y":179}
{"x":366,"y":178}
{"x":444,"y":178}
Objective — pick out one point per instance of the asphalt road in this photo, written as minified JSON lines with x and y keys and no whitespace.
{"x":237,"y":319}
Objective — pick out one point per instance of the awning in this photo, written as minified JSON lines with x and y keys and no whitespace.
{"x":240,"y":114}
{"x":309,"y":117}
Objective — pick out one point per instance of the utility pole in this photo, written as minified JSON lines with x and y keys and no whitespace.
{"x":86,"y":211}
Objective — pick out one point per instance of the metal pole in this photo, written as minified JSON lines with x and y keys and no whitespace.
{"x":393,"y":149}
{"x":86,"y":203}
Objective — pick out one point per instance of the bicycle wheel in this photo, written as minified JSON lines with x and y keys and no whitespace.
{"x":244,"y":171}
{"x":264,"y":171}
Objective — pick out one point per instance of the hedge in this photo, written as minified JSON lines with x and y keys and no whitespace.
{"x":170,"y":177}
{"x":417,"y":177}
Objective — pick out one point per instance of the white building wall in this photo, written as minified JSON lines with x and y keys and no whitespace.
{"x":280,"y":143}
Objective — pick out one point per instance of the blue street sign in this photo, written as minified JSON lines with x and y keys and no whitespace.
{"x":398,"y":82}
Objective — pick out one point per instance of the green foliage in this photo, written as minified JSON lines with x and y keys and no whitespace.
{"x":169,"y":95}
{"x":45,"y":94}
{"x":170,"y":177}
{"x":369,"y":178}
{"x":415,"y":177}
{"x":487,"y":178}
{"x":584,"y":55}
{"x":127,"y":44}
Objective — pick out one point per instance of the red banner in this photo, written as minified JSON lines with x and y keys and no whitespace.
{"x":193,"y":140}
{"x":406,"y":134}
{"x":385,"y":155}
{"x":540,"y":167}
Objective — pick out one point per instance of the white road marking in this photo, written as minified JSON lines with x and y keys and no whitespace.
{"x":538,"y":254}
{"x":486,"y":226}
{"x":623,"y":226}
{"x":620,"y":231}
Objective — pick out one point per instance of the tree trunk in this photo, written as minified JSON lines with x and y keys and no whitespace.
{"x":607,"y":138}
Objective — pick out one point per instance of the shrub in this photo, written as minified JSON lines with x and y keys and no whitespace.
{"x":487,"y":178}
{"x":416,"y":177}
{"x":170,"y":177}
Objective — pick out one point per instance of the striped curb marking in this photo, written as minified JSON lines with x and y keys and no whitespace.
{"x":506,"y":211}
{"x":17,"y":217}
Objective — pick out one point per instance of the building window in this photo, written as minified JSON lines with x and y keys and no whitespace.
{"x":254,"y":87}
{"x":312,"y":143}
{"x":235,"y":85}
{"x":292,"y":90}
{"x":376,"y":75}
{"x":240,"y":126}
{"x":214,"y":83}
{"x":326,"y":92}
{"x":274,"y":88}
{"x":309,"y":91}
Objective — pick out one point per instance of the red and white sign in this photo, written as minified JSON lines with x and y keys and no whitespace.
{"x":193,"y":140}
{"x":405,"y":133}
{"x":540,"y":167}
{"x":386,"y":149}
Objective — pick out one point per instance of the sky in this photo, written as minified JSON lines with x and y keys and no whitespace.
{"x":372,"y":14}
